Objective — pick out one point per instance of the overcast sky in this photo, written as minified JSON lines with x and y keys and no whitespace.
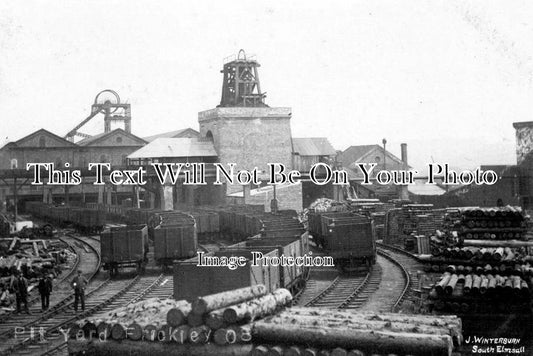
{"x":447,"y":77}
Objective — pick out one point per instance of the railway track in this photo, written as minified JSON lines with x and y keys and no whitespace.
{"x":34,"y":294}
{"x":384,"y":288}
{"x":138,"y":289}
{"x":17,"y":328}
{"x":412,"y":267}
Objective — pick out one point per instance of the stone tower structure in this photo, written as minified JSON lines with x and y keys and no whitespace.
{"x":245,"y":130}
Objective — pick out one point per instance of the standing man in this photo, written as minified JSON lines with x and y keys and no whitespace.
{"x":45,"y":288}
{"x":79,"y":283}
{"x":20,"y":285}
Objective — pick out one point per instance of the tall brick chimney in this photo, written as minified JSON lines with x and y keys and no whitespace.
{"x":524,"y":139}
{"x":404,"y":192}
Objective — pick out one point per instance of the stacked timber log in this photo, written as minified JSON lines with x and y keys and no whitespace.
{"x":497,"y":223}
{"x":418,"y":219}
{"x":33,"y":258}
{"x":221,"y":318}
{"x":311,"y":331}
{"x":250,"y":315}
{"x":461,"y":291}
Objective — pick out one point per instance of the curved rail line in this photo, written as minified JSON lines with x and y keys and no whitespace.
{"x":353,"y":292}
{"x":406,"y":276}
{"x":34,"y":295}
{"x":412,"y":264}
{"x":7,"y":327}
{"x":63,"y":297}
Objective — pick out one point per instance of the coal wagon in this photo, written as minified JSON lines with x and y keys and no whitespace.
{"x":174,"y":235}
{"x":124,"y":247}
{"x":347,"y":237}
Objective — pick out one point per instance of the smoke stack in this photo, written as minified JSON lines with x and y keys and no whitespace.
{"x":404,"y":154}
{"x":404,"y":192}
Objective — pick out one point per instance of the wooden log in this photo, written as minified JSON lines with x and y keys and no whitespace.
{"x":439,"y":287}
{"x":260,"y":350}
{"x":90,"y":330}
{"x":338,"y":351}
{"x":492,"y":284}
{"x":195,"y":319}
{"x":499,"y":243}
{"x":451,"y":269}
{"x":371,"y":340}
{"x":498,"y":254}
{"x":220,"y":337}
{"x":310,"y":352}
{"x":524,"y":288}
{"x":356,"y":353}
{"x":324,"y":353}
{"x":118,"y":331}
{"x":150,"y":332}
{"x":221,"y":300}
{"x":468,"y":284}
{"x":134,"y":331}
{"x":177,"y":315}
{"x":376,"y":325}
{"x":215,"y":319}
{"x":476,"y":283}
{"x":275,"y":351}
{"x":451,"y":284}
{"x":499,"y":283}
{"x":440,"y":320}
{"x":484,"y":284}
{"x":293,"y":351}
{"x":255,"y":308}
{"x":199,"y":334}
{"x":103,"y":329}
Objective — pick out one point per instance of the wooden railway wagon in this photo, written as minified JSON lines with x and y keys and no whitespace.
{"x":83,"y":219}
{"x":315,"y":226}
{"x":124,"y":247}
{"x":173,"y":243}
{"x":291,"y":276}
{"x":207,"y":224}
{"x":348,"y":238}
{"x":174,"y":235}
{"x":192,"y":281}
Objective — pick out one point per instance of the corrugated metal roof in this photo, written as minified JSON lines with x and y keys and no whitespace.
{"x":313,"y":146}
{"x":175,"y":147}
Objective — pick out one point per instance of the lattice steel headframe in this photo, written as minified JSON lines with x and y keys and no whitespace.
{"x":108,"y":103}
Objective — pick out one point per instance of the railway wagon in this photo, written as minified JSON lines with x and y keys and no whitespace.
{"x":174,"y":242}
{"x":207,"y":224}
{"x":291,"y":275}
{"x":351,"y":243}
{"x":191,"y":280}
{"x":124,"y":247}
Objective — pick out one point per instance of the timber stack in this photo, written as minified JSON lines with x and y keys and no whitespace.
{"x":222,"y":319}
{"x":312,"y":331}
{"x":496,"y":223}
{"x":459,"y":291}
{"x":401,"y":223}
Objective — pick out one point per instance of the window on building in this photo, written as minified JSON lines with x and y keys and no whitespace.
{"x":42,"y":141}
{"x":119,"y":139}
{"x":377,"y":159}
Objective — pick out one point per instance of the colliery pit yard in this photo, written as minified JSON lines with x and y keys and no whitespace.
{"x":408,"y":294}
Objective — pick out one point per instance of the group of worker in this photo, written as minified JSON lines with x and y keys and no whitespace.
{"x":19,"y":287}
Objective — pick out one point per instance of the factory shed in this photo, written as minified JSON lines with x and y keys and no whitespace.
{"x":170,"y":149}
{"x":311,"y":150}
{"x":183,"y":133}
